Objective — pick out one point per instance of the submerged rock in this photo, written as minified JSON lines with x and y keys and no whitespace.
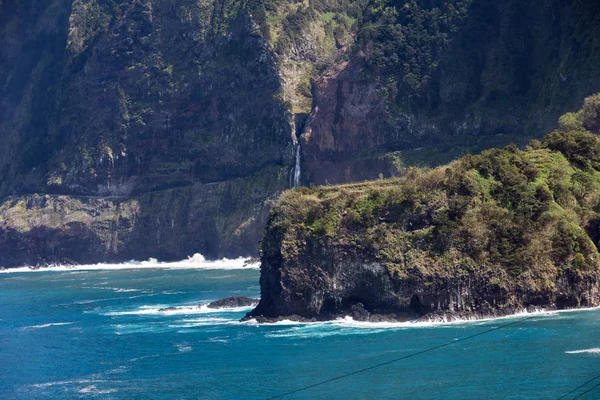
{"x":234,"y":301}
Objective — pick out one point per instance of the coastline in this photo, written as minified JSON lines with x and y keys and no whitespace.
{"x":446,"y":318}
{"x":197,"y":261}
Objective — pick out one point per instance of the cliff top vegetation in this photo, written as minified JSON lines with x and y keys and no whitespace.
{"x":527,"y":214}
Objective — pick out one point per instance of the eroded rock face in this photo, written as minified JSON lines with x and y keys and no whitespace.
{"x":174,"y":103}
{"x":217,"y":220}
{"x":485,"y":90}
{"x":329,"y":284}
{"x":347,"y":120}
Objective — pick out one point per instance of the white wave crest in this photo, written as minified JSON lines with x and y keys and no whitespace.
{"x":183,"y":347}
{"x":177,"y":310}
{"x":197,"y":261}
{"x":194,"y":323}
{"x":47,"y":325}
{"x":63,"y":383}
{"x":93,"y":390}
{"x":349,"y":326}
{"x":594,"y":350}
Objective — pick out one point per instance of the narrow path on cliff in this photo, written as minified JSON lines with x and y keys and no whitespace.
{"x":447,"y":344}
{"x":105,"y":197}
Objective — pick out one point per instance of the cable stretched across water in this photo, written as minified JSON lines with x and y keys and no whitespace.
{"x":579,"y":387}
{"x":400,"y":359}
{"x":587,"y":391}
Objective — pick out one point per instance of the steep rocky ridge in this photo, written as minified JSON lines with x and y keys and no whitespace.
{"x":486,"y":235}
{"x":134,"y":99}
{"x":139,"y":96}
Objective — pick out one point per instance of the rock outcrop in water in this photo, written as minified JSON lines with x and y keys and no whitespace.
{"x":137,"y":129}
{"x":486,"y":235}
{"x":229,"y":302}
{"x":234,"y":301}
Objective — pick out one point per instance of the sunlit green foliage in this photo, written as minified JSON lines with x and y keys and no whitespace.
{"x":406,"y":40}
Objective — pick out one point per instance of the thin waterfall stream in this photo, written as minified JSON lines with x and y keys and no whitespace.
{"x":297,"y":168}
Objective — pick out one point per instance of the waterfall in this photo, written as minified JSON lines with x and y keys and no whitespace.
{"x":297,"y":170}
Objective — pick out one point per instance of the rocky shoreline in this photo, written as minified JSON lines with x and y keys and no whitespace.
{"x":359,"y":314}
{"x":401,"y":302}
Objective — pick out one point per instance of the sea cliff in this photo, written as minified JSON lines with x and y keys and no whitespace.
{"x":187,"y":102}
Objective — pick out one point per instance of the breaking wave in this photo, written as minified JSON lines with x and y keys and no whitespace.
{"x":197,"y":261}
{"x":594,"y":350}
{"x":47,"y":325}
{"x":349,"y":326}
{"x":162,"y":309}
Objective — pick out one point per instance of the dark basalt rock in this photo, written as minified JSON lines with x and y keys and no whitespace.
{"x":251,"y":261}
{"x":234,"y":301}
{"x":168,"y":309}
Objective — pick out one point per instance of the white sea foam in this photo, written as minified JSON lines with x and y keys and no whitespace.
{"x":349,"y":326}
{"x":206,"y":310}
{"x":594,"y":350}
{"x":93,"y":390}
{"x":197,"y":261}
{"x":183,"y":347}
{"x":82,"y":302}
{"x":221,"y":339}
{"x":179,"y":310}
{"x":127,"y":329}
{"x":202,"y":322}
{"x":64,"y":383}
{"x":47,"y":325}
{"x":119,"y":370}
{"x":150,"y":356}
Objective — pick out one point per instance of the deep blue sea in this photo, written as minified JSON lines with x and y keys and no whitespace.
{"x":98,"y":334}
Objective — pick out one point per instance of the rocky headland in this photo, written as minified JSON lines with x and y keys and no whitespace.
{"x":487,"y":235}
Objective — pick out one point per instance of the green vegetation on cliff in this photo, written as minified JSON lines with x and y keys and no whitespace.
{"x":527,"y":217}
{"x":126,"y":98}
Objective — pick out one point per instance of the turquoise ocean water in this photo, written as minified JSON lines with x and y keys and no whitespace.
{"x":98,"y":334}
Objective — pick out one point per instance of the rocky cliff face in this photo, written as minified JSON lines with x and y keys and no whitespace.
{"x":329,"y":283}
{"x":217,"y":220}
{"x":137,"y":96}
{"x":126,"y":98}
{"x":132,"y":100}
{"x":486,"y":235}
